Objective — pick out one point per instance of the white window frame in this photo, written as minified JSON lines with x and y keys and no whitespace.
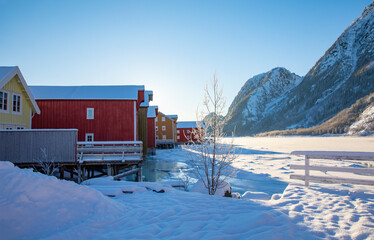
{"x":156,"y":119}
{"x":156,"y":137}
{"x":90,"y":113}
{"x":163,"y":119}
{"x":163,"y":137}
{"x":7,"y":104}
{"x":188,"y":131}
{"x":178,"y":137}
{"x":156,"y":128}
{"x":89,"y":135}
{"x":178,"y":131}
{"x":20,"y":103}
{"x":163,"y":128}
{"x":188,"y":137}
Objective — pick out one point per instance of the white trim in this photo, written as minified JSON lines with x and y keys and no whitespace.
{"x":163,"y":128}
{"x":135,"y":118}
{"x":15,"y":94}
{"x":9,"y":77}
{"x":89,"y":135}
{"x":90,"y":116}
{"x":8,"y":93}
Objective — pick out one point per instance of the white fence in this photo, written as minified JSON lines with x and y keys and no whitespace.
{"x":361,"y":156}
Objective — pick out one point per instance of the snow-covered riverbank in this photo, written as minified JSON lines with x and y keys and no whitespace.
{"x":34,"y":206}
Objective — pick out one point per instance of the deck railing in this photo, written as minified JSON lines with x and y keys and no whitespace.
{"x":109,"y":151}
{"x":360,"y":156}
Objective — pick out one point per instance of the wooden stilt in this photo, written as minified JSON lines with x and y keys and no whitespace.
{"x":62,"y":170}
{"x":79,"y":174}
{"x":139,"y":173}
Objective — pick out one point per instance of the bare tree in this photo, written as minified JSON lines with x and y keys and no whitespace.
{"x":210,"y":157}
{"x":47,"y":165}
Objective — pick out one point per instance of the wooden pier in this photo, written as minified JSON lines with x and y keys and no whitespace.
{"x":57,"y":151}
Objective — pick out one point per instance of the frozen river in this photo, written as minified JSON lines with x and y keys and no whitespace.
{"x":262,"y":164}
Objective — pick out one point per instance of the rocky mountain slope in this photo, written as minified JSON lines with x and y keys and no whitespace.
{"x":342,"y":76}
{"x":257,"y":96}
{"x":355,"y":120}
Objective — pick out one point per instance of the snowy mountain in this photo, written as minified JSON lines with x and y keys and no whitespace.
{"x":342,"y":76}
{"x":258,"y":96}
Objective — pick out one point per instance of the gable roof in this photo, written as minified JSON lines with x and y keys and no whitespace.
{"x":7,"y":73}
{"x":148,"y":96}
{"x":105,"y":92}
{"x":152,"y":111}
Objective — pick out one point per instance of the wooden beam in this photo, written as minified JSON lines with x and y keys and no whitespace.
{"x":361,"y":171}
{"x":333,"y":180}
{"x":124,"y":174}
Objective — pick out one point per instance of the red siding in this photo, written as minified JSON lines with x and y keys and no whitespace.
{"x":151,"y":132}
{"x":183,"y":134}
{"x":113,"y":119}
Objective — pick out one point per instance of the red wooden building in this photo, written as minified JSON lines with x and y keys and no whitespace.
{"x":185,"y":131}
{"x":151,"y":128}
{"x":100,"y":113}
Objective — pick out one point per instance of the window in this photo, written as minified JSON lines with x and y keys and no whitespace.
{"x":156,"y":128}
{"x":4,"y":101}
{"x":90,"y":113}
{"x":156,"y":137}
{"x":89,"y":137}
{"x":178,"y":137}
{"x":163,"y":137}
{"x":163,"y":128}
{"x":195,"y":137}
{"x":163,"y":119}
{"x":188,"y":137}
{"x":17,"y":106}
{"x":156,"y":119}
{"x":178,"y":131}
{"x":188,"y":131}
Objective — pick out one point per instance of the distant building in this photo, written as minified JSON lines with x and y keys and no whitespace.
{"x":151,"y":128}
{"x":185,"y":131}
{"x":17,"y":104}
{"x":100,"y":113}
{"x":166,"y":130}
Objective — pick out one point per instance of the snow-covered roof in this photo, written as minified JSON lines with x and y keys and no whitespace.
{"x":105,"y":92}
{"x":148,"y":96}
{"x":187,"y":124}
{"x":152,"y":111}
{"x":172,"y":116}
{"x":7,"y":73}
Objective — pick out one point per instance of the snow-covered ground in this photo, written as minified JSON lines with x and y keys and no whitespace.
{"x":34,"y":206}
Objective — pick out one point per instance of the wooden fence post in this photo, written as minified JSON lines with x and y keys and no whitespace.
{"x":306,"y":171}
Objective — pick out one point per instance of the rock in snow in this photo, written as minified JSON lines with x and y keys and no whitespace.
{"x":255,"y":195}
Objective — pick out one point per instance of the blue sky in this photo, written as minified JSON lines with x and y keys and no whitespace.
{"x":172,"y":47}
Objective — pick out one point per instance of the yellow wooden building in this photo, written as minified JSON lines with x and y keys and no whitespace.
{"x":17,"y":105}
{"x":166,"y":129}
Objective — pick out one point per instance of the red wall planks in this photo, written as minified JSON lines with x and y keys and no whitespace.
{"x":151,"y":132}
{"x":113,"y":119}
